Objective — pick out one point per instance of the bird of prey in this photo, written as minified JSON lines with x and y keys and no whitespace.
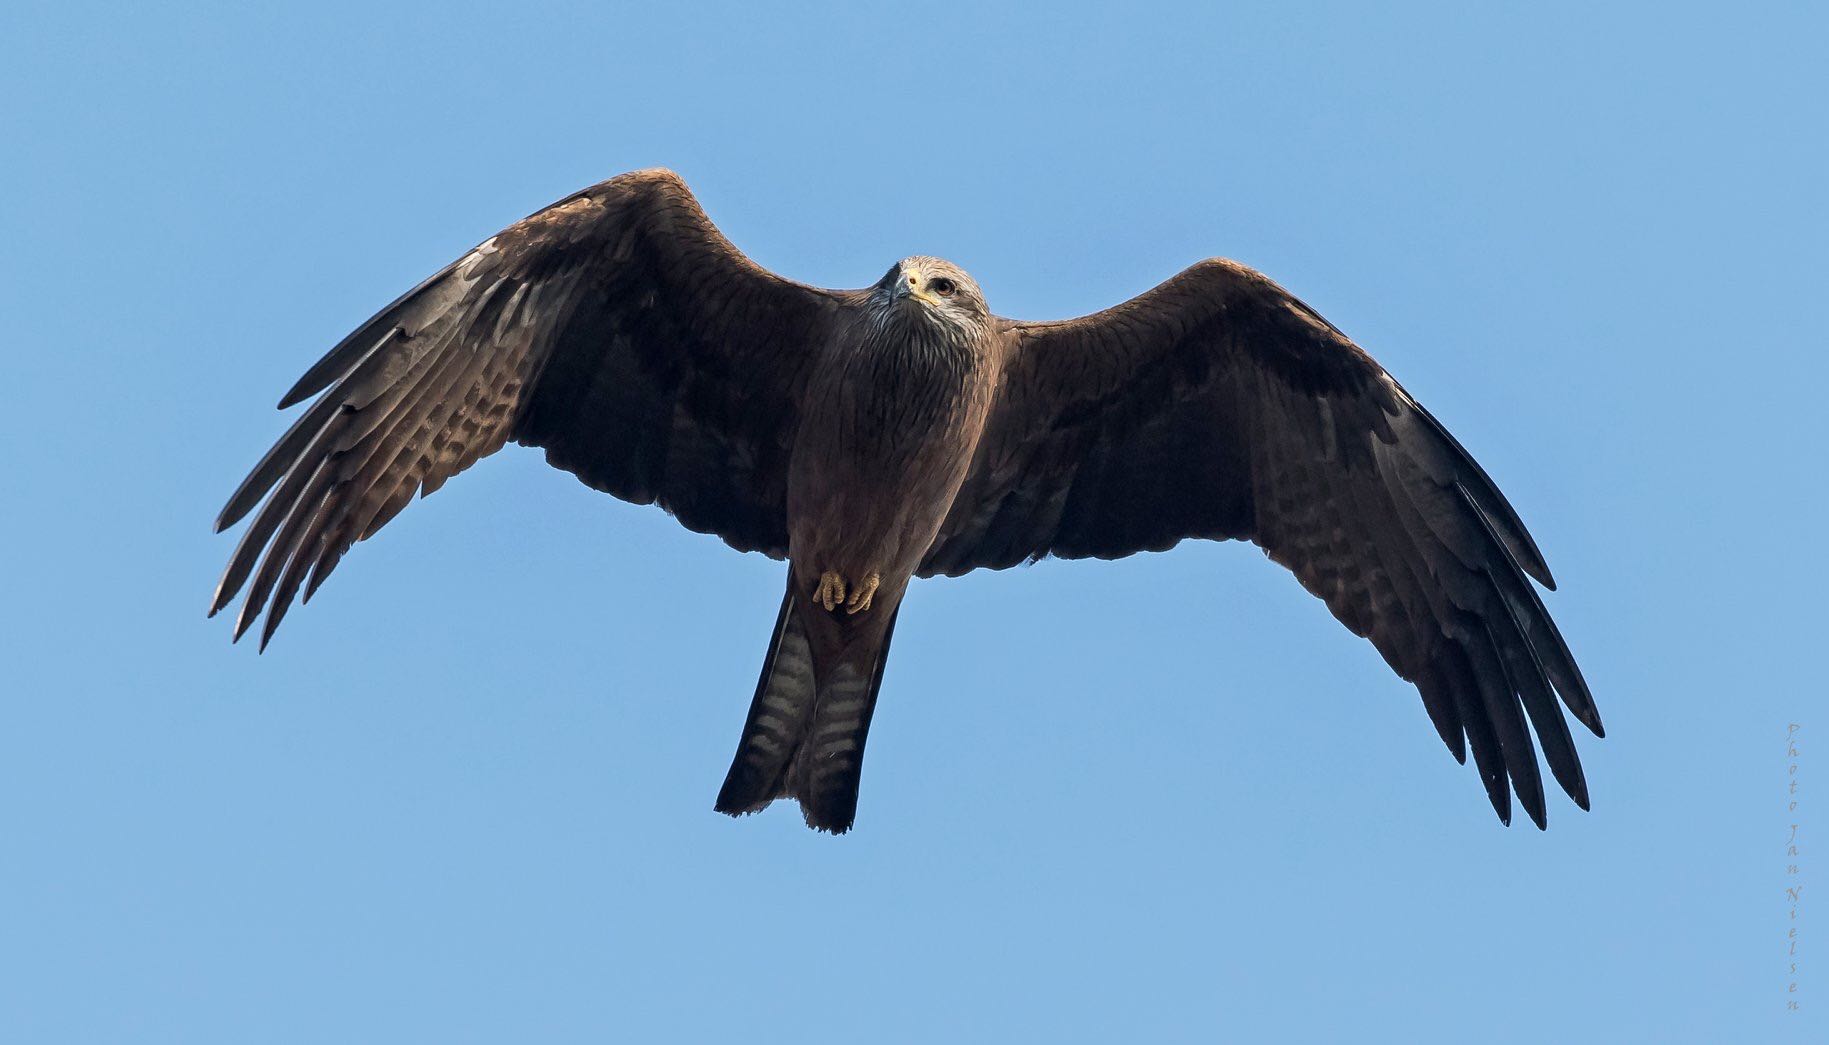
{"x":903,"y":430}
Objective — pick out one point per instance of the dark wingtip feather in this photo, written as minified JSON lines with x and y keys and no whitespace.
{"x":1487,"y":760}
{"x":279,"y":459}
{"x":1531,"y":797}
{"x":1457,"y":673}
{"x":226,"y":587}
{"x":1539,"y":814}
{"x":1515,"y":537}
{"x":1585,"y":710}
{"x":299,"y":392}
{"x":218,"y":599}
{"x":345,"y":354}
{"x":320,"y":571}
{"x":1518,"y":756}
{"x":342,"y":358}
{"x":1555,"y":657}
{"x":1438,"y":703}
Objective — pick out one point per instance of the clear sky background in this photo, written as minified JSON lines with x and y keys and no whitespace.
{"x":466,"y":796}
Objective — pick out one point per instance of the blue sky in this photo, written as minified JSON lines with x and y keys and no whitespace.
{"x":466,"y":796}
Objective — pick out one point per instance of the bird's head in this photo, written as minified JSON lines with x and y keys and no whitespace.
{"x":932,"y":290}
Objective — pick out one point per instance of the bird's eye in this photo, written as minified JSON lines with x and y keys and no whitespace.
{"x":946,"y":288}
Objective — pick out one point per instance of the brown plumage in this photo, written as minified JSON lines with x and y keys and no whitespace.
{"x":876,"y":435}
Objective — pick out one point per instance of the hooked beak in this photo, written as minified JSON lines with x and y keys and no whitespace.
{"x":908,"y":285}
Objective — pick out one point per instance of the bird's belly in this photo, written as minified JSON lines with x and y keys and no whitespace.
{"x":874,"y":494}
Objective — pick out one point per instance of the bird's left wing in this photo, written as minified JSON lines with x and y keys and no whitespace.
{"x":1219,"y":406}
{"x":616,"y":328}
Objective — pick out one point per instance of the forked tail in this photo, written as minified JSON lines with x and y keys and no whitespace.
{"x":804,"y":738}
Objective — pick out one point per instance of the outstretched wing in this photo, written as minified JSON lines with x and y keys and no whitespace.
{"x":616,"y":328}
{"x":1219,"y":406}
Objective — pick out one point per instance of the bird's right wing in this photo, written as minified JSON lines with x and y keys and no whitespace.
{"x":617,"y":328}
{"x":1218,"y":405}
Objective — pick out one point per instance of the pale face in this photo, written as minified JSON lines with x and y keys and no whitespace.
{"x":938,"y":289}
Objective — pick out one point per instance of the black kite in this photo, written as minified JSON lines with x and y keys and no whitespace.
{"x":903,"y":430}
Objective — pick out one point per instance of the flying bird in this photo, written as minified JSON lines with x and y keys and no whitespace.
{"x":904,"y":430}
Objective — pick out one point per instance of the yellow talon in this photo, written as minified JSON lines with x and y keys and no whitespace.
{"x":831,"y":591}
{"x":862,"y":594}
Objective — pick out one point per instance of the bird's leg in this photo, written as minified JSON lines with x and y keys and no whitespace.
{"x":831,"y":590}
{"x":861,"y":594}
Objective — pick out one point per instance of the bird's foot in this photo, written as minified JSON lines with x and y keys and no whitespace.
{"x":832,"y":592}
{"x":862,"y":593}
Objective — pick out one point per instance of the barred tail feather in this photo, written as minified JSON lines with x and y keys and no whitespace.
{"x":778,"y":717}
{"x":804,"y":738}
